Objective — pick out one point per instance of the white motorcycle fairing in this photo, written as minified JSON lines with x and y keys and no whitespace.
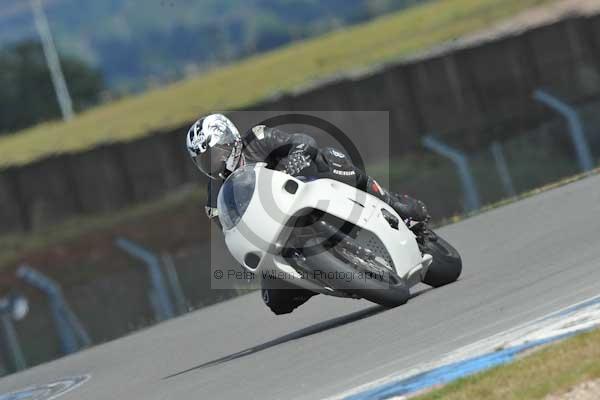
{"x":256,"y":203}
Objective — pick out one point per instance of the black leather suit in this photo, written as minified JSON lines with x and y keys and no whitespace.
{"x":285,"y":151}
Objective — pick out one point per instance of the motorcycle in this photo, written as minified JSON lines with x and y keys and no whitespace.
{"x":328,"y":237}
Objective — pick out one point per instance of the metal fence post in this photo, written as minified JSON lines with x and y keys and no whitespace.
{"x":71,"y":332}
{"x":472,"y":201}
{"x":502,"y":168}
{"x":576,"y":129}
{"x":15,"y":360}
{"x":175,"y":283}
{"x":159,"y":298}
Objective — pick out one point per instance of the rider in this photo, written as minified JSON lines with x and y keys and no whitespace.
{"x":218,"y":149}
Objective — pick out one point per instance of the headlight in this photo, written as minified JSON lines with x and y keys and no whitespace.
{"x":235,"y":196}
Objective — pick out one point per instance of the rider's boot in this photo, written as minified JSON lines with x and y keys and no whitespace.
{"x":409,"y":208}
{"x":284,"y":301}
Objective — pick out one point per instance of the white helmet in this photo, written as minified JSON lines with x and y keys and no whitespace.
{"x":215,"y":145}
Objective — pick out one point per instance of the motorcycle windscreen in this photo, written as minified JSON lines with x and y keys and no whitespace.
{"x":235,"y":196}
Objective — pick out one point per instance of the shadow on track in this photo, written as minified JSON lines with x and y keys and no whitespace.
{"x":308,"y":331}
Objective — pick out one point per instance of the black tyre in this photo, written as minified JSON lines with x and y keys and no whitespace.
{"x":447,"y":264}
{"x":389,"y":292}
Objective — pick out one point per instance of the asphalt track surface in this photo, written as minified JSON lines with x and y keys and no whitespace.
{"x":521,"y":262}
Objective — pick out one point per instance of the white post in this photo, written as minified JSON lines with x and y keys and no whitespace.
{"x":56,"y":73}
{"x":576,"y":130}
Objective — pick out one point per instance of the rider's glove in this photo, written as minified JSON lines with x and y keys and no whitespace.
{"x":211,"y":212}
{"x":296,"y":163}
{"x":423,"y":211}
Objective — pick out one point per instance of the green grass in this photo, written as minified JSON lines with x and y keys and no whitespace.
{"x":552,"y":370}
{"x":247,"y":82}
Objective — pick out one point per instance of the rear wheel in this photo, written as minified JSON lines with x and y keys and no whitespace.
{"x":369,"y":280}
{"x":447,"y":264}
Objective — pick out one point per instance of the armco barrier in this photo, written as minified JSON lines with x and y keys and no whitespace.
{"x":47,"y":191}
{"x":11,"y":210}
{"x":99,"y":180}
{"x":477,"y":94}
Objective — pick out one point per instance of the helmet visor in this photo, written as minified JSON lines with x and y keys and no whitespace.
{"x":214,"y":160}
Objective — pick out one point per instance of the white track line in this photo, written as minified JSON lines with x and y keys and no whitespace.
{"x":549,"y":325}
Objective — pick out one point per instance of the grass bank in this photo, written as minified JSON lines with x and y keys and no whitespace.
{"x":244,"y":83}
{"x":552,"y":370}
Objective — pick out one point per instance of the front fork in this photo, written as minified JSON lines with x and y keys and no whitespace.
{"x":332,"y":236}
{"x":423,"y":234}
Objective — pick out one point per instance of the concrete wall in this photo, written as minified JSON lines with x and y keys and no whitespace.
{"x":467,"y":96}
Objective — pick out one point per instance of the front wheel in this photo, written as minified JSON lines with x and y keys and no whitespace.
{"x":447,"y":264}
{"x":388,"y":291}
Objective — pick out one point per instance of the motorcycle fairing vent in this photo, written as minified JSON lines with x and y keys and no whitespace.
{"x":252,"y":260}
{"x":291,"y":187}
{"x":390,"y":218}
